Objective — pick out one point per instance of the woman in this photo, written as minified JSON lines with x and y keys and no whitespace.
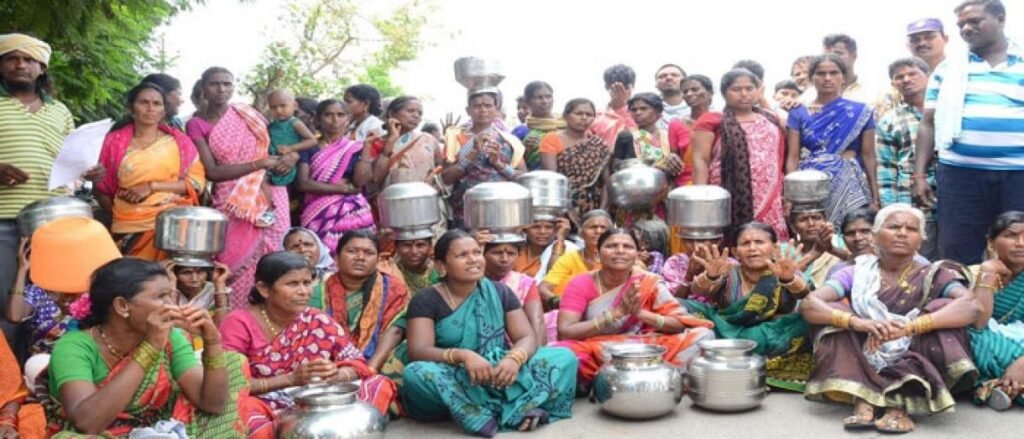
{"x":333,"y":177}
{"x":474,"y":356}
{"x":540,"y":100}
{"x":129,"y":367}
{"x":585,"y":162}
{"x":575,"y":262}
{"x":836,"y":136}
{"x":619,"y":303}
{"x":647,"y":142}
{"x":153,"y":167}
{"x":305,"y":243}
{"x":500,"y":260}
{"x":697,"y":92}
{"x":406,"y":154}
{"x":997,"y":339}
{"x":815,"y":238}
{"x":798,"y":72}
{"x":857,"y":237}
{"x":18,"y":418}
{"x":202,"y":287}
{"x":680,"y":270}
{"x":901,"y":347}
{"x":277,"y":330}
{"x":411,"y":263}
{"x":742,"y":149}
{"x":233,"y":142}
{"x":363,"y":300}
{"x":363,"y":102}
{"x":756,"y":300}
{"x":652,"y":243}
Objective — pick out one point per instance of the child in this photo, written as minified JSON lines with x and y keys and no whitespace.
{"x":287,"y":135}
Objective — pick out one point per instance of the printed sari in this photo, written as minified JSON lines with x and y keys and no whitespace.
{"x":767,"y":315}
{"x":824,"y":137}
{"x":312,"y":335}
{"x":47,"y":322}
{"x":535,"y":129}
{"x":522,"y":285}
{"x":921,"y":375}
{"x":434,"y":391}
{"x":997,"y":346}
{"x":172,"y":157}
{"x":584,"y":164}
{"x":30,"y":422}
{"x":365,"y":314}
{"x":240,"y":136}
{"x":331,"y":215}
{"x":413,"y":159}
{"x":582,"y":297}
{"x":481,"y":170}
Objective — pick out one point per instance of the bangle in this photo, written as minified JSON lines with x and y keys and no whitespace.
{"x":841,"y":319}
{"x":258,"y":387}
{"x":922,"y":325}
{"x":145,"y":355}
{"x":597,"y":323}
{"x":659,"y":321}
{"x":17,"y":292}
{"x":916,"y":176}
{"x":215,"y":362}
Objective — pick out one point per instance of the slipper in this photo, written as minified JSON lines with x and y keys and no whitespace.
{"x":999,"y":400}
{"x":890,"y":425}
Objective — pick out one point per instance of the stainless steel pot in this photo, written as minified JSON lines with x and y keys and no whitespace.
{"x":636,"y":383}
{"x":43,"y":211}
{"x":700,"y":211}
{"x":637,"y":187}
{"x":192,"y":236}
{"x":502,"y":208}
{"x":330,"y":411}
{"x":727,"y":376}
{"x":411,"y":209}
{"x":550,"y":194}
{"x":477,"y":74}
{"x":807,"y":189}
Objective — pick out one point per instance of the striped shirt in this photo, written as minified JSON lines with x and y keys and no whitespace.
{"x":30,"y":142}
{"x":992,"y":131}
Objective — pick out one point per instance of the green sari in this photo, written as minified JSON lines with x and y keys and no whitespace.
{"x":432,"y":391}
{"x":767,"y":316}
{"x":1001,"y":342}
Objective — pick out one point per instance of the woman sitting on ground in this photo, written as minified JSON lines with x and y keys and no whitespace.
{"x":576,"y":262}
{"x":500,"y":259}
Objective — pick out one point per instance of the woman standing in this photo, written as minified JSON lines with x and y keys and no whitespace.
{"x":743,"y":150}
{"x":474,"y":356}
{"x":333,"y":177}
{"x":540,"y":99}
{"x":579,"y":155}
{"x":836,"y":136}
{"x":363,"y":102}
{"x":647,"y":142}
{"x":698,"y":92}
{"x":406,"y":154}
{"x":900,"y":346}
{"x":233,"y":144}
{"x":153,"y":167}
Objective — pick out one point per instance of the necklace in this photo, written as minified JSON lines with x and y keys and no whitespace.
{"x":902,"y":281}
{"x":447,"y":296}
{"x":266,"y":319}
{"x":106,"y":342}
{"x":600,"y":285}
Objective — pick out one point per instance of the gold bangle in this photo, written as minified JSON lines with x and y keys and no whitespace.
{"x":597,"y":323}
{"x":846,"y":320}
{"x":219,"y":361}
{"x":837,"y":318}
{"x":659,"y":321}
{"x":981,"y":285}
{"x":17,"y":292}
{"x":145,"y":355}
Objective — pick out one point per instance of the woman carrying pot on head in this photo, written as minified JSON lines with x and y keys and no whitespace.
{"x":546,"y":241}
{"x":500,"y":260}
{"x":474,"y":356}
{"x":277,"y":330}
{"x":202,"y":287}
{"x":579,"y":155}
{"x":618,"y":303}
{"x":901,"y":349}
{"x":573,"y":263}
{"x":756,"y":299}
{"x":152,"y":167}
{"x":129,"y":367}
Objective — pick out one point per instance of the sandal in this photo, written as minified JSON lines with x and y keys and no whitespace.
{"x":999,"y":400}
{"x":890,"y":424}
{"x":861,"y":419}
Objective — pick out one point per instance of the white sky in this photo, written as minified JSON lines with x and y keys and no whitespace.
{"x":569,"y":43}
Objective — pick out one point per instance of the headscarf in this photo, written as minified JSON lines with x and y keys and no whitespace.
{"x":325,"y":265}
{"x":34,"y":48}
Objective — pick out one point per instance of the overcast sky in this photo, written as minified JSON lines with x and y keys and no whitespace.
{"x":569,"y":43}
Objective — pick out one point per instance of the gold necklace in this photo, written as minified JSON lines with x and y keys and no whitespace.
{"x":446,"y":295}
{"x":110,"y":348}
{"x":266,"y":319}
{"x":902,"y":281}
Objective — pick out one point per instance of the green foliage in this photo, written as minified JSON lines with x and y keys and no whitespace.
{"x":99,"y":46}
{"x":331,"y":44}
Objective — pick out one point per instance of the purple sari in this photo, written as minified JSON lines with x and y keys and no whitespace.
{"x":331,"y":215}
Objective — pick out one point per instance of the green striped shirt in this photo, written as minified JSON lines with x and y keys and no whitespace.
{"x":30,"y":142}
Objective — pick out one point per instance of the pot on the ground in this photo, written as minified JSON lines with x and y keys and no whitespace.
{"x":637,"y":383}
{"x":330,"y":411}
{"x":728,"y":376}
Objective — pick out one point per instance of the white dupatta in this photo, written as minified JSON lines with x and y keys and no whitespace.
{"x":867,"y":283}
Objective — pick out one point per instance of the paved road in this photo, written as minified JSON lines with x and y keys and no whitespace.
{"x":783,"y":416}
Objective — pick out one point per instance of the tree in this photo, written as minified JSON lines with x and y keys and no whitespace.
{"x":333,"y":44}
{"x":98,"y":45}
{"x":163,"y":60}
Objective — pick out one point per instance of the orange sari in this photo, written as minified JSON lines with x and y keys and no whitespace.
{"x":31,"y":422}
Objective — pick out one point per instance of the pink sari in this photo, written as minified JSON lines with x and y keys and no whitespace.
{"x":331,"y":215}
{"x":521,"y":284}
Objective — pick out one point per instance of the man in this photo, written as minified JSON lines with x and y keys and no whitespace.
{"x":974,"y":118}
{"x":669,"y":81}
{"x":927,"y":40}
{"x":895,"y":136}
{"x":618,"y":81}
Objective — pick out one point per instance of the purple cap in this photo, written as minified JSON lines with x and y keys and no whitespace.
{"x":925,"y":25}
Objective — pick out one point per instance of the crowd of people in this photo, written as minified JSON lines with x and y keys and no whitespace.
{"x":897,"y":293}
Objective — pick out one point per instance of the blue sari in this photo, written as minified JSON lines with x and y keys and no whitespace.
{"x":824,"y":136}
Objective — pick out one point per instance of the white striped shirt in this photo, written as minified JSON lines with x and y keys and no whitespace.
{"x":30,"y":141}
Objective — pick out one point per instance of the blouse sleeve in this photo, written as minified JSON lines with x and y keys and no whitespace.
{"x":183,"y":357}
{"x":842,"y":281}
{"x":796,"y":118}
{"x":509,"y":301}
{"x":196,"y":129}
{"x":551,"y":143}
{"x":578,"y":293}
{"x":709,"y":122}
{"x":72,"y":360}
{"x":234,"y":333}
{"x":674,"y":271}
{"x":678,"y":136}
{"x":559,"y":273}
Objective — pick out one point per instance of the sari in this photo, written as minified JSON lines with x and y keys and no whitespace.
{"x":584,"y":165}
{"x":312,"y":335}
{"x":47,"y":322}
{"x":1001,"y":342}
{"x":365,"y":314}
{"x":824,"y":137}
{"x":566,"y":268}
{"x":240,"y":136}
{"x":413,"y":159}
{"x":536,"y":128}
{"x":435,"y":391}
{"x":582,"y":297}
{"x":331,"y":215}
{"x":481,"y":170}
{"x":920,"y":374}
{"x":172,"y":157}
{"x":766,"y":315}
{"x":525,"y":287}
{"x":30,"y":422}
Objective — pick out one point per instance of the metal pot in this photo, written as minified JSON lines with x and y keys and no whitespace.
{"x":502,"y":208}
{"x":411,"y":209}
{"x":807,"y":189}
{"x":727,"y":376}
{"x":637,"y":187}
{"x":550,"y":192}
{"x":331,"y":411}
{"x":192,"y":236}
{"x":636,"y":383}
{"x":700,"y":211}
{"x":478,"y":75}
{"x":43,"y":211}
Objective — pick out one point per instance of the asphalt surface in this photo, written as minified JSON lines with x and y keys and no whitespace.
{"x":782,"y":416}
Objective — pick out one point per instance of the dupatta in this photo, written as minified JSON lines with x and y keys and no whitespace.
{"x":116,"y":143}
{"x":383,"y":300}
